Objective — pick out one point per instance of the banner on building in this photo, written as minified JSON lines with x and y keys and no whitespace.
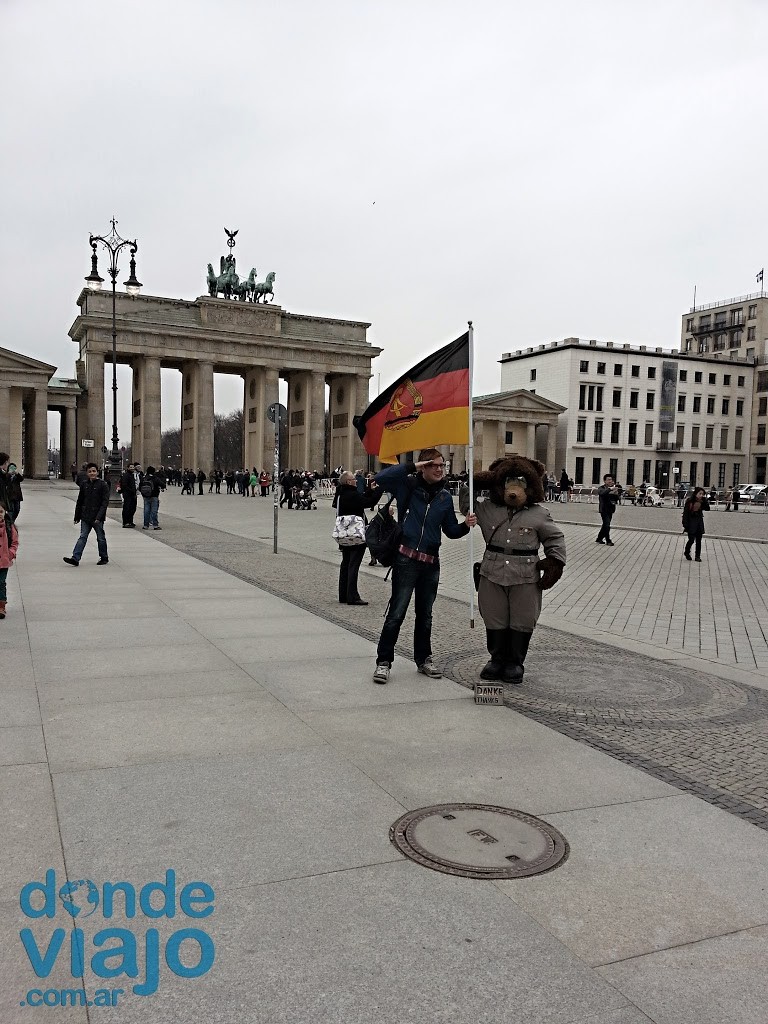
{"x":668,"y":401}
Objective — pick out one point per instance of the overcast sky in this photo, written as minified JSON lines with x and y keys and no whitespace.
{"x":544,"y":169}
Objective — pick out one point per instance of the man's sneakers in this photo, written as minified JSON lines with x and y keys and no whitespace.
{"x":71,"y":561}
{"x":427,"y":668}
{"x":381,"y":675}
{"x":103,"y":561}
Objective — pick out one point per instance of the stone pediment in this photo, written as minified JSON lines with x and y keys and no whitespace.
{"x":518,"y":401}
{"x":16,"y":363}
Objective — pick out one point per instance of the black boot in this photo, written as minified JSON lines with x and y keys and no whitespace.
{"x":496,"y":648}
{"x":516,"y":650}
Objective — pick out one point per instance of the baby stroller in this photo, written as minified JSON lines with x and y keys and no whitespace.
{"x":305,"y":499}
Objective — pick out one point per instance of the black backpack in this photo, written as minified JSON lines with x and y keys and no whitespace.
{"x":384,"y":533}
{"x":146,"y":487}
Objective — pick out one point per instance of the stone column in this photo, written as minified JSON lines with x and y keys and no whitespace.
{"x":359,"y":455}
{"x":317,"y":420}
{"x":68,"y":440}
{"x":95,"y":430}
{"x":298,"y":419}
{"x":150,"y":412}
{"x":5,"y":421}
{"x":551,"y":447}
{"x":16,"y":417}
{"x":501,"y":444}
{"x":204,"y":418}
{"x":488,"y":448}
{"x":530,"y":445}
{"x":271,"y":397}
{"x":36,"y":449}
{"x":255,"y":423}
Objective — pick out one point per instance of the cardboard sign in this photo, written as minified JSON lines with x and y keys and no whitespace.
{"x":489,"y":693}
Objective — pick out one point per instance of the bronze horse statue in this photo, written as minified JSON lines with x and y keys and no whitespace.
{"x":264,"y":288}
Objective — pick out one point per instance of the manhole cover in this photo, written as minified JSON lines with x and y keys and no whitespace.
{"x":479,"y":841}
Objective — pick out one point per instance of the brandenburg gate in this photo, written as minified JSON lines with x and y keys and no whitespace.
{"x":259,"y":341}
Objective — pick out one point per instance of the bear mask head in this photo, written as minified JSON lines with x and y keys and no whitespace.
{"x":513,"y":481}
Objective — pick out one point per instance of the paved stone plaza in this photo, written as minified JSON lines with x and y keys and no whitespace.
{"x":236,"y":737}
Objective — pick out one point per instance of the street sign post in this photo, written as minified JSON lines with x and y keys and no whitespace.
{"x":276,"y":413}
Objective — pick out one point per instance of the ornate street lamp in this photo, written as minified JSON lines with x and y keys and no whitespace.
{"x":114,"y":245}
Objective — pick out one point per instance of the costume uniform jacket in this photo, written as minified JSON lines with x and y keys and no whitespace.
{"x":514,"y":593}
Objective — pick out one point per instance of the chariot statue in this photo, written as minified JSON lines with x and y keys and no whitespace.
{"x":228,"y":283}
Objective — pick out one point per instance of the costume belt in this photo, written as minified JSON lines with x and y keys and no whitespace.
{"x":514,"y":551}
{"x":417,"y":556}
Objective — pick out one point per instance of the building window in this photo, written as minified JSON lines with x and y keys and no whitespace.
{"x":635,"y":371}
{"x":680,"y":439}
{"x":721,"y":475}
{"x":707,"y":474}
{"x":596,"y":466}
{"x":736,"y":474}
{"x":683,"y":375}
{"x":601,"y":367}
{"x":615,"y":425}
{"x":681,"y":403}
{"x":711,"y":405}
{"x":709,"y":437}
{"x":713,"y":378}
{"x":697,"y":376}
{"x":613,"y":468}
{"x":736,"y":338}
{"x":761,"y":433}
{"x":695,"y":437}
{"x":618,"y":369}
{"x":719,"y":342}
{"x":697,"y":403}
{"x":650,"y":399}
{"x":751,"y":334}
{"x":689,"y":324}
{"x":647,"y":470}
{"x":705,"y":322}
{"x":632,"y":435}
{"x":726,"y":379}
{"x":741,"y":381}
{"x":599,"y":403}
{"x":737,"y":317}
{"x":651,"y":373}
{"x":591,"y":396}
{"x":762,"y":380}
{"x":762,"y":407}
{"x":617,"y":398}
{"x":739,"y":406}
{"x":508,"y":437}
{"x":633,"y":398}
{"x":693,"y":472}
{"x":719,"y":321}
{"x":688,"y":344}
{"x":579,"y":470}
{"x":630,"y":471}
{"x":737,"y":439}
{"x":533,"y":375}
{"x":648,"y":435}
{"x":582,"y":396}
{"x":598,"y":431}
{"x":584,"y":366}
{"x":726,"y":406}
{"x":723,"y":439}
{"x":752,"y":312}
{"x":581,"y":430}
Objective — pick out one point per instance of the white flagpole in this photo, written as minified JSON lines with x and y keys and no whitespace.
{"x":471,"y":469}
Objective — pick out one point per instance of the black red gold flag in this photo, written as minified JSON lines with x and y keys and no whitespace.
{"x":427,"y":406}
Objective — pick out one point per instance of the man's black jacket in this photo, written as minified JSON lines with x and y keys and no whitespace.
{"x":92,"y":501}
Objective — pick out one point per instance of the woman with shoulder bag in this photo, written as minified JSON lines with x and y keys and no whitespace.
{"x":351,"y":505}
{"x":693,"y":521}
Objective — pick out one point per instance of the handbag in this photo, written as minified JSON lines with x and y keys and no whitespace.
{"x":349,"y":531}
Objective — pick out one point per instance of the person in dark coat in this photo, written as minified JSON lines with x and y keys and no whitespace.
{"x":607,"y":496}
{"x":90,"y":512}
{"x":15,"y":480}
{"x":128,"y":491}
{"x":351,"y":502}
{"x":693,"y":521}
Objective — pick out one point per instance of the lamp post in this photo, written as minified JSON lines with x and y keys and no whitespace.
{"x":114,"y":245}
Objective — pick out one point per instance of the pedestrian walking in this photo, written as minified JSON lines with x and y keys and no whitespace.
{"x":130,"y":497}
{"x":90,"y":512}
{"x":425,"y":510}
{"x":15,"y":480}
{"x":9,"y":545}
{"x":736,"y":499}
{"x":693,"y":521}
{"x":680,"y":495}
{"x":728,"y":498}
{"x":607,"y":496}
{"x":150,"y":489}
{"x":201,"y":478}
{"x":565,"y":486}
{"x":352,"y":503}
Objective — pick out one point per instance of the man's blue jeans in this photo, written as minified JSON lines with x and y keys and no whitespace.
{"x":101,"y":540}
{"x":151,"y":505}
{"x":410,"y":577}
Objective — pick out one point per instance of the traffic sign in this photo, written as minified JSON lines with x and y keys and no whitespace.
{"x":87,"y":442}
{"x":276,"y":409}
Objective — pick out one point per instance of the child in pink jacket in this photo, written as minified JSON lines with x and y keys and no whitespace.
{"x":9,"y":545}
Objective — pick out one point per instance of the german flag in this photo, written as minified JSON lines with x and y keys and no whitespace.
{"x":427,"y":406}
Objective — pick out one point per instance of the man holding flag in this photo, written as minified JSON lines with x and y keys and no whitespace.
{"x":427,"y":406}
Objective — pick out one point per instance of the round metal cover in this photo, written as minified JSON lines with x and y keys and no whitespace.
{"x":479,"y":841}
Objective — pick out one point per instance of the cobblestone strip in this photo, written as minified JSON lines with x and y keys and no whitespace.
{"x":699,"y":733}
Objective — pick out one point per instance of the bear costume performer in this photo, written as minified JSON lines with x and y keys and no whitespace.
{"x":512,"y":576}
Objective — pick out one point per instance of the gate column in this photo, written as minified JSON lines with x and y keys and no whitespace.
{"x":94,"y":425}
{"x":271,"y":397}
{"x":298,"y":419}
{"x":197,"y":416}
{"x":146,"y":411}
{"x":255,"y":420}
{"x":317,"y":421}
{"x":5,"y":421}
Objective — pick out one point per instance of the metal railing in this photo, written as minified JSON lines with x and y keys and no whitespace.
{"x":728,"y":302}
